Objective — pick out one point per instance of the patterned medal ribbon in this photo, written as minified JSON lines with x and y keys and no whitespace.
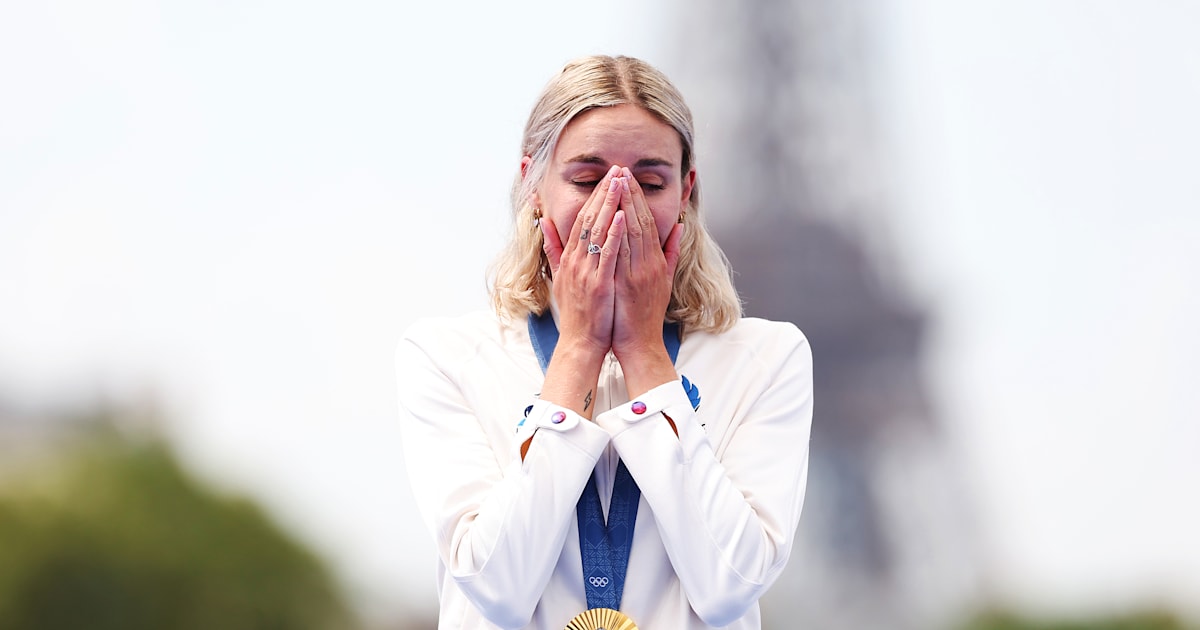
{"x":605,"y":546}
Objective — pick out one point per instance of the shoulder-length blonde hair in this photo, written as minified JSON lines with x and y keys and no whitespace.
{"x":702,"y":296}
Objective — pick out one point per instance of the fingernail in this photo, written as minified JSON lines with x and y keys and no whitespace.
{"x":626,"y":172}
{"x":619,"y":217}
{"x":613,"y":170}
{"x":613,"y":183}
{"x":625,"y":183}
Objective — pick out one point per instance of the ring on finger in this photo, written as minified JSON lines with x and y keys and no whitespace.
{"x":593,"y":248}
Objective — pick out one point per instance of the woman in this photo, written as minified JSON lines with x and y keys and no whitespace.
{"x":540,"y":436}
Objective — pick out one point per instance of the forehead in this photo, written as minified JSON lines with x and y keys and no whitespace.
{"x":623,"y":134}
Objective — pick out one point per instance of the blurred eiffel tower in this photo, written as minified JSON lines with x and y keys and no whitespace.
{"x":796,"y":199}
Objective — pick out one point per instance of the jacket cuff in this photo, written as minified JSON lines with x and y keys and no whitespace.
{"x":569,"y":425}
{"x":669,"y":398}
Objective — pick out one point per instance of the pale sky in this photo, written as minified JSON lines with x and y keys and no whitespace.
{"x":241,"y":207}
{"x":1047,"y":155}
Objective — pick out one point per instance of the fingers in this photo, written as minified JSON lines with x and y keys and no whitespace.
{"x":625,"y":251}
{"x":629,"y":206}
{"x":611,"y":252}
{"x":672,"y":247}
{"x":577,"y":227}
{"x":612,"y":198}
{"x":586,"y":221}
{"x":642,"y":229}
{"x":551,"y":244}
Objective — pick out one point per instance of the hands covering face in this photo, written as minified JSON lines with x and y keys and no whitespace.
{"x":612,"y":278}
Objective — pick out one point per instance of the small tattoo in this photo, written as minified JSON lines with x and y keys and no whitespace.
{"x":587,"y":401}
{"x":584,"y":234}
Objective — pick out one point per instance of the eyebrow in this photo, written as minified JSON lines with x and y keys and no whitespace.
{"x":595,"y":159}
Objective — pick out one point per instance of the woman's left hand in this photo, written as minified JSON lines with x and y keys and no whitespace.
{"x":644,"y":276}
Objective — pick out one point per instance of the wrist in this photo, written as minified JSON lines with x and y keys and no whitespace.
{"x":633,"y":347}
{"x":646,"y":369}
{"x":572,"y":375}
{"x":580,"y":350}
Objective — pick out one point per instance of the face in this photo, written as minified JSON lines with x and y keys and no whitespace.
{"x":624,"y":135}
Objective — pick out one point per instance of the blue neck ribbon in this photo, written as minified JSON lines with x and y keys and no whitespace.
{"x":604,"y":545}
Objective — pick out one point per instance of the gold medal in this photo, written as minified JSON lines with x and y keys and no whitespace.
{"x":601,"y":619}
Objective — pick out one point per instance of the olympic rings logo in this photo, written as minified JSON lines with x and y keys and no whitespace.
{"x":598,"y":582}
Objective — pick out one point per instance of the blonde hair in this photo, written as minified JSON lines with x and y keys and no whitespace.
{"x":702,"y":296}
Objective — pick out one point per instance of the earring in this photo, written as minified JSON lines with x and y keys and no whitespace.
{"x":681,"y":216}
{"x":537,"y":218}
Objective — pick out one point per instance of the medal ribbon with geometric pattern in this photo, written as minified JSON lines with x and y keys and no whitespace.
{"x":605,"y":546}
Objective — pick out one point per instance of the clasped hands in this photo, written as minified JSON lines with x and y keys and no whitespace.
{"x":614,"y":298}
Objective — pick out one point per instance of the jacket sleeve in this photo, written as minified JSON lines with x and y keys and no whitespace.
{"x":727,"y":525}
{"x":499,"y":522}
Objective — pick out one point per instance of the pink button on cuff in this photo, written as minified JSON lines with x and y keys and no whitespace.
{"x":547,"y":415}
{"x":669,"y":395}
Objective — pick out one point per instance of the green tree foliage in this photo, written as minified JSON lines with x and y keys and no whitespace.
{"x":1135,"y":621}
{"x":117,"y":536}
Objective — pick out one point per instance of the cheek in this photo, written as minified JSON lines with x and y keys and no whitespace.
{"x":563,"y":213}
{"x":664,"y":219}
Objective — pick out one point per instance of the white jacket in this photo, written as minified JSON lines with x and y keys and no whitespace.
{"x":720,"y":502}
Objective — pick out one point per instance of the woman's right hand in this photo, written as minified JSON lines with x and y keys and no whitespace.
{"x":585,"y":284}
